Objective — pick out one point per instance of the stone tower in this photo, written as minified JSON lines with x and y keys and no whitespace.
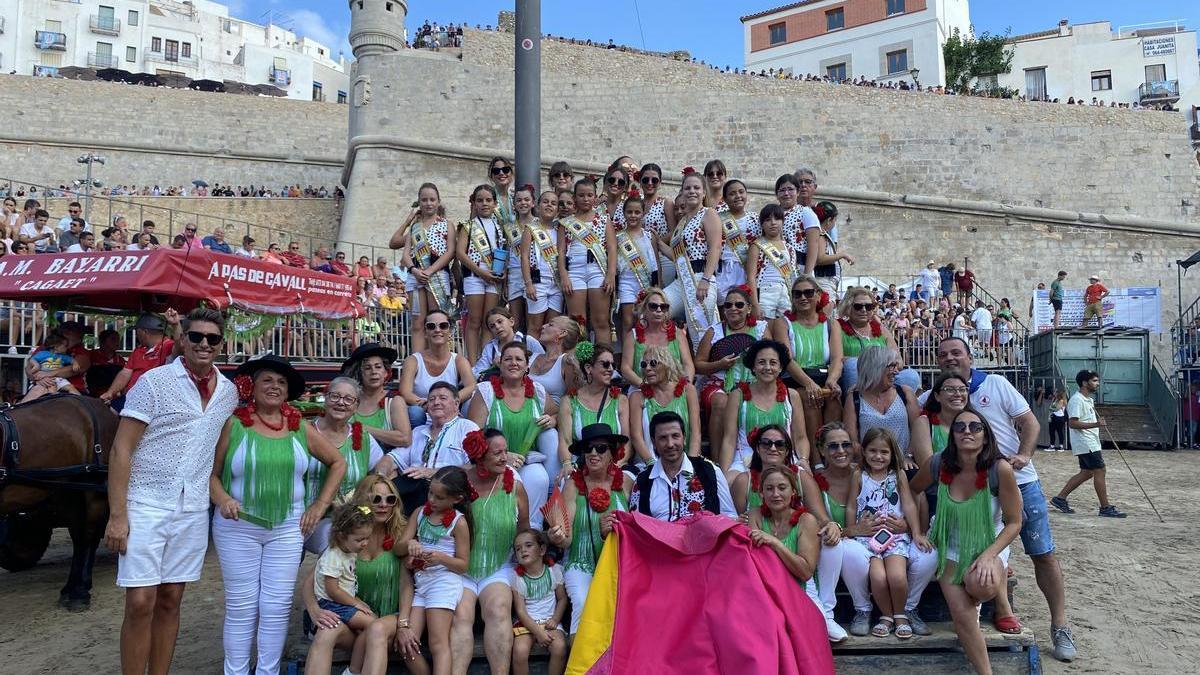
{"x":376,"y":36}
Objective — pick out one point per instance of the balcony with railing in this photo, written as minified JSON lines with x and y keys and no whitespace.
{"x":102,"y":60}
{"x":280,"y":77}
{"x":173,"y":59}
{"x":105,"y":25}
{"x":45,"y":39}
{"x":1159,"y":91}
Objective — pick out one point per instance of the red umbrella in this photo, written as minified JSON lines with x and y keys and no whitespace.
{"x":179,"y":278}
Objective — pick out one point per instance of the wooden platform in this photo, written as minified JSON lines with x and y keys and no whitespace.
{"x":937,"y":653}
{"x":1130,"y":425}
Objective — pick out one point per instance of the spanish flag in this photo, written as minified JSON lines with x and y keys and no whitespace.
{"x":695,"y":597}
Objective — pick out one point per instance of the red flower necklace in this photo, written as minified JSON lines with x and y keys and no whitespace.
{"x":947,"y":477}
{"x":797,"y":511}
{"x":498,"y":386}
{"x":484,"y":474}
{"x":247,"y":413}
{"x":821,"y":318}
{"x":780,"y":391}
{"x":356,"y":435}
{"x":876,"y":328}
{"x":447,"y":515}
{"x":822,"y":481}
{"x":639,"y":331}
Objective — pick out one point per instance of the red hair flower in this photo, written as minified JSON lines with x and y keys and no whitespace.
{"x":647,"y":390}
{"x":618,"y":476}
{"x":614,"y":391}
{"x":580,"y":319}
{"x":497,"y":387}
{"x":292,"y":416}
{"x":693,"y":507}
{"x":789,"y":315}
{"x":356,"y":435}
{"x":580,"y":483}
{"x":472,"y":492}
{"x":528,"y":187}
{"x":383,"y":402}
{"x":755,"y":478}
{"x":679,"y":387}
{"x":980,"y":479}
{"x":945,"y":476}
{"x":641,"y":295}
{"x":245,"y":414}
{"x":634,"y":193}
{"x":752,"y":320}
{"x":475,"y":445}
{"x":427,"y":510}
{"x":529,"y":390}
{"x":637,"y":175}
{"x":688,"y":170}
{"x":508,"y":480}
{"x":599,"y":499}
{"x":548,"y":560}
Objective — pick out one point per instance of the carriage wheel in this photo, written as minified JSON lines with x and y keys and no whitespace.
{"x":25,"y":542}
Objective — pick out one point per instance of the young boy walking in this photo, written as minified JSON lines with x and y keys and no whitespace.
{"x":1084,"y":428}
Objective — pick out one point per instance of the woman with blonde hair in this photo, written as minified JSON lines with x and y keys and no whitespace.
{"x":654,"y":329}
{"x":556,"y":368}
{"x":664,"y":387}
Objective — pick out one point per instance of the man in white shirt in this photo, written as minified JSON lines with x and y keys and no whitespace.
{"x":678,"y":486}
{"x":74,"y":210}
{"x":38,"y":234}
{"x":87,"y":244}
{"x":930,"y":279}
{"x":158,"y":477}
{"x":1015,"y":428}
{"x":982,"y":318}
{"x":1084,"y":427}
{"x":246,"y":250}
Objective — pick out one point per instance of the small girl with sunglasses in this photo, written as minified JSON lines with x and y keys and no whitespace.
{"x":439,"y":548}
{"x":769,"y":266}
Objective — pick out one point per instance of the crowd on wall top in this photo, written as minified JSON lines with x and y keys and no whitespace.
{"x":199,"y":188}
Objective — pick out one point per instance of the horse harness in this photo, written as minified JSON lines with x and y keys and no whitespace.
{"x":94,"y":472}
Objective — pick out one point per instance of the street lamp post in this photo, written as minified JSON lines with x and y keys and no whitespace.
{"x":89,"y":159}
{"x":528,"y":89}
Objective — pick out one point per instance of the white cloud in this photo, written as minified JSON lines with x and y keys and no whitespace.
{"x":312,"y":25}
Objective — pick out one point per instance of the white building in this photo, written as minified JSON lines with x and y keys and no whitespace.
{"x":1149,"y":64}
{"x":195,"y":38}
{"x":883,"y":40}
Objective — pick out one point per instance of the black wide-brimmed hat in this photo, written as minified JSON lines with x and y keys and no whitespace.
{"x":367,"y":350}
{"x":275,"y":364}
{"x":598,"y":431}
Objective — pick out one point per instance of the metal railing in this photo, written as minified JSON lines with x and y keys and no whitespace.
{"x":1164,"y":403}
{"x":105,"y":25}
{"x":101,"y":60}
{"x":173,"y":59}
{"x":1185,"y":337}
{"x":1158,"y":91}
{"x":993,"y":350}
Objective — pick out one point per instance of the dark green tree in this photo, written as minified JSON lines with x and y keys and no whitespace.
{"x":969,"y":57}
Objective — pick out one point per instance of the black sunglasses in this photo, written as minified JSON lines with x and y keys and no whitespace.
{"x":734,"y":305}
{"x":962,"y":427}
{"x":844,"y":445}
{"x":713,"y":174}
{"x":650,"y":180}
{"x":613,"y":180}
{"x":390,"y":500}
{"x":561,"y":174}
{"x":652,"y":363}
{"x":444,"y":325}
{"x":864,"y":306}
{"x":501,"y":170}
{"x":658,"y":306}
{"x":597,"y":448}
{"x":804,"y":293}
{"x":213,"y":339}
{"x":605,"y":364}
{"x":767,"y":444}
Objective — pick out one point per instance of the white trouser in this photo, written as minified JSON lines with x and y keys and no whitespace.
{"x":258,"y":570}
{"x":829,"y":569}
{"x":577,"y":582}
{"x":540,"y":468}
{"x":856,"y":560}
{"x":697,"y":316}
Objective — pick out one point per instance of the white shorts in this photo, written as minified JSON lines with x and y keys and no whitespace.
{"x":473,"y":285}
{"x":515,"y":285}
{"x":165,"y":546}
{"x":830,"y":285}
{"x":773,"y":299}
{"x":476,"y":586}
{"x":731,"y":274}
{"x":549,"y":296}
{"x":628,"y":287}
{"x":585,"y":275}
{"x":441,"y":589}
{"x":666,"y":271}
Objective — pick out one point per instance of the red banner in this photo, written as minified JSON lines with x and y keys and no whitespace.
{"x":155,"y":280}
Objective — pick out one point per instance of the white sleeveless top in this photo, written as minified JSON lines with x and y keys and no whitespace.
{"x":444,"y":544}
{"x":552,"y":380}
{"x":424,"y":379}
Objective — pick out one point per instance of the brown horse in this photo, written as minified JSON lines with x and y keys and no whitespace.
{"x":53,"y":463}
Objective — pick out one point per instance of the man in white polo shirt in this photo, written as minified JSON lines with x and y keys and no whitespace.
{"x":1016,"y":430}
{"x":158,"y":475}
{"x":1085,"y":445}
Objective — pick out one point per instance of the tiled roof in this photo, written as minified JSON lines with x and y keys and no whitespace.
{"x":1033,"y":36}
{"x":759,"y":15}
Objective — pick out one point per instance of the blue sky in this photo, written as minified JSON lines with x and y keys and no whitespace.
{"x":709,"y":29}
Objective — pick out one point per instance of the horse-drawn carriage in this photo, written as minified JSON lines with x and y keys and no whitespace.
{"x":53,"y":462}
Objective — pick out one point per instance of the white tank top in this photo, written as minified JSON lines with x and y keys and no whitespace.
{"x":424,"y":379}
{"x":551,"y":380}
{"x":443,"y":544}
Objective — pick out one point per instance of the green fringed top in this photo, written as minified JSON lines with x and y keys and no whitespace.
{"x":586,"y":541}
{"x":495,"y":525}
{"x":520,"y":427}
{"x":377,"y":419}
{"x":639,"y":348}
{"x":792,"y":542}
{"x":837,"y":512}
{"x":358,"y":465}
{"x":853,"y":345}
{"x":539,"y":587}
{"x":266,"y":474}
{"x":652,"y":407}
{"x":379,"y":582}
{"x":810,"y":344}
{"x":940,"y":437}
{"x":967,"y":527}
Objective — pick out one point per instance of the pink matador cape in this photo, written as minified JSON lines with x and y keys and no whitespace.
{"x":695,"y":597}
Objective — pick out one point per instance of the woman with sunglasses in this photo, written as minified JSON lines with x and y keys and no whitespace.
{"x":562,"y":177}
{"x":428,"y":244}
{"x":587,"y":267}
{"x":694,"y":245}
{"x":382,"y":415}
{"x":616,"y":189}
{"x":272,"y":255}
{"x":978,"y":519}
{"x":654,"y":329}
{"x":476,"y":239}
{"x":358,"y":448}
{"x":257,"y":484}
{"x":538,"y":255}
{"x":725,"y":374}
{"x":663,"y":387}
{"x":379,"y":574}
{"x":596,"y":401}
{"x":801,"y":229}
{"x":659,"y":220}
{"x":861,"y":328}
{"x":714,"y":182}
{"x":816,"y":364}
{"x":502,"y":177}
{"x":434,"y":363}
{"x":765,"y":400}
{"x":597,"y":489}
{"x":521,"y":408}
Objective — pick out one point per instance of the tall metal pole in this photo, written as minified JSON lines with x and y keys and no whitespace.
{"x":87,"y":195}
{"x":529,"y":92}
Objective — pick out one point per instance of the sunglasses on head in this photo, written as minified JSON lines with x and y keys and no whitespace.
{"x":963,"y":427}
{"x":613,"y":180}
{"x":501,"y":170}
{"x":864,"y":306}
{"x":768,"y":443}
{"x":213,"y":339}
{"x":658,"y":306}
{"x":835,"y":445}
{"x":735,"y":304}
{"x":652,"y":363}
{"x":390,"y":500}
{"x":804,"y":293}
{"x":443,"y":325}
{"x":597,"y":448}
{"x":651,"y":180}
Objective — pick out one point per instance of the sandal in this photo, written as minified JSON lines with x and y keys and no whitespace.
{"x":1008,"y":625}
{"x":884,"y":627}
{"x":903,"y":630}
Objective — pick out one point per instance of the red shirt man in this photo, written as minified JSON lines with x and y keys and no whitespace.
{"x":1095,"y":292}
{"x":153,"y":351}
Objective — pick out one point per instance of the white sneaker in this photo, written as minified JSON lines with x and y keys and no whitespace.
{"x":835,"y":631}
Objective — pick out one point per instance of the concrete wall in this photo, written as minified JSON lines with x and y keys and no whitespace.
{"x":165,"y":136}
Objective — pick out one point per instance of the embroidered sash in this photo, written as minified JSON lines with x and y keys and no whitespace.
{"x":735,"y":236}
{"x":633,"y":256}
{"x":546,"y":247}
{"x":780,"y":259}
{"x":480,"y":243}
{"x":424,"y":254}
{"x":586,"y":235}
{"x":695,"y":313}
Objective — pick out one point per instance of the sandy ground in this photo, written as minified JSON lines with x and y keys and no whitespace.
{"x":1124,"y":595}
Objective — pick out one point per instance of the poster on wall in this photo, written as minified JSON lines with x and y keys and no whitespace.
{"x":1133,"y":307}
